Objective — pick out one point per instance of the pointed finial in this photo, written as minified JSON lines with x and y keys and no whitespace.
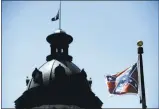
{"x":140,"y":43}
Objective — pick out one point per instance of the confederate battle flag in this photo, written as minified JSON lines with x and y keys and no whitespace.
{"x":123,"y":82}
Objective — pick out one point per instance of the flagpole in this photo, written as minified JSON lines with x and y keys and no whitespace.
{"x":140,"y":52}
{"x":60,"y":16}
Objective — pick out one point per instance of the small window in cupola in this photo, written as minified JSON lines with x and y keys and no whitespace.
{"x":61,"y":50}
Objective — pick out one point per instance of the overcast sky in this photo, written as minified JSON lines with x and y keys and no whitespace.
{"x":105,"y":35}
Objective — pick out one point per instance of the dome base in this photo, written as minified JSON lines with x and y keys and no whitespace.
{"x":59,"y":57}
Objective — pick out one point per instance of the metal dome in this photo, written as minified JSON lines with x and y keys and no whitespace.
{"x":48,"y":71}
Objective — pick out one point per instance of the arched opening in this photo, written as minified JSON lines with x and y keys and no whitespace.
{"x":56,"y":50}
{"x":62,"y":51}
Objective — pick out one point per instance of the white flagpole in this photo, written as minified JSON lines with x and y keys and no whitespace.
{"x":60,"y":16}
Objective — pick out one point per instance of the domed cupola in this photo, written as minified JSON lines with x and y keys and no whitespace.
{"x":58,"y":81}
{"x":59,"y":43}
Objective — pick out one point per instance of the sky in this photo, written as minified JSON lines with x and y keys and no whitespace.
{"x":105,"y":35}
